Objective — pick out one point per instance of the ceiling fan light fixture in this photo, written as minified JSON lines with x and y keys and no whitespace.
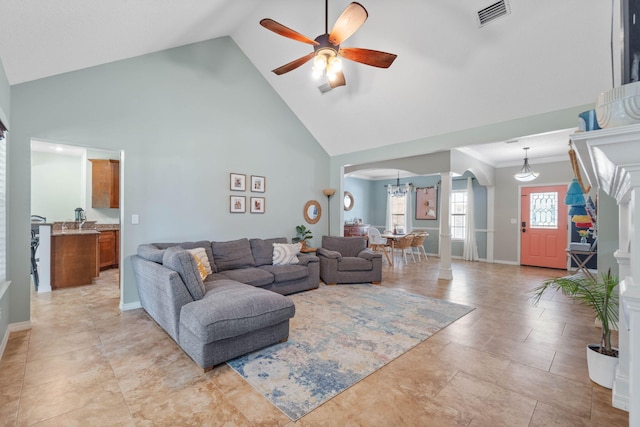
{"x":526,"y":173}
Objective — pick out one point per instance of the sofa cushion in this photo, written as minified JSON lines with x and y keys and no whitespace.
{"x":284,"y":273}
{"x":349,"y":263}
{"x":183,"y":262}
{"x":347,"y":246}
{"x":262,"y":250}
{"x":231,"y":309}
{"x":233,"y":254}
{"x":192,"y":245}
{"x":286,"y":253}
{"x":151,"y":253}
{"x":251,"y":276}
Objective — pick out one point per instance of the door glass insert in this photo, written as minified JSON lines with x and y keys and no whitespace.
{"x":543,"y":210}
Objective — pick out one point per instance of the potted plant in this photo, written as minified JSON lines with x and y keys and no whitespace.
{"x":601,"y":295}
{"x":303,"y":234}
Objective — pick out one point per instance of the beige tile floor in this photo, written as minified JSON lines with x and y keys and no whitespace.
{"x":84,"y":363}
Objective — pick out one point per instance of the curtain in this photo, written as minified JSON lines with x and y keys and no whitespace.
{"x":388,"y":225}
{"x":470,"y":247}
{"x":408,"y":217}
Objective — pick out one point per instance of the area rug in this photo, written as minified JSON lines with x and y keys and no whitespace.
{"x":339,"y":335}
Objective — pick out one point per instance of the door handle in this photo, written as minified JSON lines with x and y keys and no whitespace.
{"x":523,"y":224}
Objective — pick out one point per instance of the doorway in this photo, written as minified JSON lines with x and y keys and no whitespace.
{"x":543,"y":226}
{"x":61,"y":178}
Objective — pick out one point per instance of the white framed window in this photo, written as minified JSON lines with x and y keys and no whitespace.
{"x":458,"y":214}
{"x":398,"y":211}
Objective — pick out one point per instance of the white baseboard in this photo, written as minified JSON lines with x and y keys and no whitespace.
{"x":12,"y":327}
{"x":130,"y":306}
{"x":497,"y":261}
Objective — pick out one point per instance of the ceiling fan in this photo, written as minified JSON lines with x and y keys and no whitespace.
{"x":326,"y":47}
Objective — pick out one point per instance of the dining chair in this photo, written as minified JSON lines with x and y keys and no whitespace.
{"x":404,"y":246}
{"x":418,"y":243}
{"x":377,"y":242}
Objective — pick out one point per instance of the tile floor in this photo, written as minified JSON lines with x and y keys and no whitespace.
{"x":84,"y":363}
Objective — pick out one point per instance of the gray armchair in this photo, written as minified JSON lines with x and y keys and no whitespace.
{"x":348,"y":260}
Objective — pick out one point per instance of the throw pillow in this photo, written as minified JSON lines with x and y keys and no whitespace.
{"x":285,"y":253}
{"x":201,"y":269}
{"x":201,"y":256}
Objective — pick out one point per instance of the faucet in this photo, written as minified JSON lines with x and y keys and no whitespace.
{"x":81,"y":224}
{"x":64,"y":226}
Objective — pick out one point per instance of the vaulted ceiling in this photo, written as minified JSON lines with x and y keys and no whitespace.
{"x":450,"y":74}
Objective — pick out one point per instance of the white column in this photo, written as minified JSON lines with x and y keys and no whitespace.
{"x":44,"y":255}
{"x":445,"y":229}
{"x":491,"y":232}
{"x":620,"y":391}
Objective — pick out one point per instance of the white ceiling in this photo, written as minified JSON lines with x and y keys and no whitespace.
{"x":450,"y":74}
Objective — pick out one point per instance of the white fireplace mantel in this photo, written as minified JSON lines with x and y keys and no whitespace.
{"x":611,"y":161}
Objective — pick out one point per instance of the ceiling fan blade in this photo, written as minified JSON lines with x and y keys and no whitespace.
{"x":351,"y":19}
{"x":338,"y":80}
{"x":375,"y":58}
{"x":278,"y":28}
{"x":293,"y":64}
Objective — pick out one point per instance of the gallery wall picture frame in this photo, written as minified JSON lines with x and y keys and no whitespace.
{"x":427,"y":203}
{"x":257,"y":205}
{"x":237,"y":204}
{"x":258,"y":184}
{"x":237,"y":182}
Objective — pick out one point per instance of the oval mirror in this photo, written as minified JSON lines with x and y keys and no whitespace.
{"x":312,"y":212}
{"x":348,"y":201}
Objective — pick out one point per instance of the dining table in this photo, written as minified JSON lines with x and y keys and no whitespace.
{"x":392,"y":238}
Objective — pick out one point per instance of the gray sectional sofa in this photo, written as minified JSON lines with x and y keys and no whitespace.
{"x":240,"y":307}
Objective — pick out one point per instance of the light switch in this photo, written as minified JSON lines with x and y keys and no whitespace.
{"x":135,"y":219}
{"x":514,"y":221}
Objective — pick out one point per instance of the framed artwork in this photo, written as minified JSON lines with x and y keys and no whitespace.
{"x":238,"y":182}
{"x":237,"y":204}
{"x":630,"y":41}
{"x":427,"y":203}
{"x":257,"y":205}
{"x":258,"y":184}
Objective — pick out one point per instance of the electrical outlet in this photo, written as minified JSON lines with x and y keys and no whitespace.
{"x":135,"y":219}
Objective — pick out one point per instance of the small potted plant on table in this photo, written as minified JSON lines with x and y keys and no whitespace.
{"x":303,"y":234}
{"x":601,"y":294}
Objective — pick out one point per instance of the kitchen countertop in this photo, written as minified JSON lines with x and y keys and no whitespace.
{"x":74,"y":232}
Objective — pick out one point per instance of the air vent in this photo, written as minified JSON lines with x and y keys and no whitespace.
{"x":493,"y":12}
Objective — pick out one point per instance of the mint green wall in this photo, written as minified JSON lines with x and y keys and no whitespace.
{"x":186,"y":118}
{"x":362,"y":207}
{"x":56,"y":185}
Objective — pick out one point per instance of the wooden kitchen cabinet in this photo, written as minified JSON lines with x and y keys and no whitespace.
{"x":74,"y":259}
{"x":109,"y":241}
{"x":105,"y":177}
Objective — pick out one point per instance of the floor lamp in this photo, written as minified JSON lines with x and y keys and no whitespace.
{"x":329,"y":192}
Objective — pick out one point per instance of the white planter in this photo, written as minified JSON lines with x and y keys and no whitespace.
{"x":602,"y":368}
{"x":619,"y":106}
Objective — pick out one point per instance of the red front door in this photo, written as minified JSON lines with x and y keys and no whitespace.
{"x":543,"y":226}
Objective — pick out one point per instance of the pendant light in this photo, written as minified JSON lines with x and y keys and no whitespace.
{"x":398,"y":190}
{"x":526,"y":174}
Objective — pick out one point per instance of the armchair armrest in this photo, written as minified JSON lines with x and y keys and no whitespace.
{"x":368,"y":254}
{"x":305,"y":259}
{"x":329,"y":254}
